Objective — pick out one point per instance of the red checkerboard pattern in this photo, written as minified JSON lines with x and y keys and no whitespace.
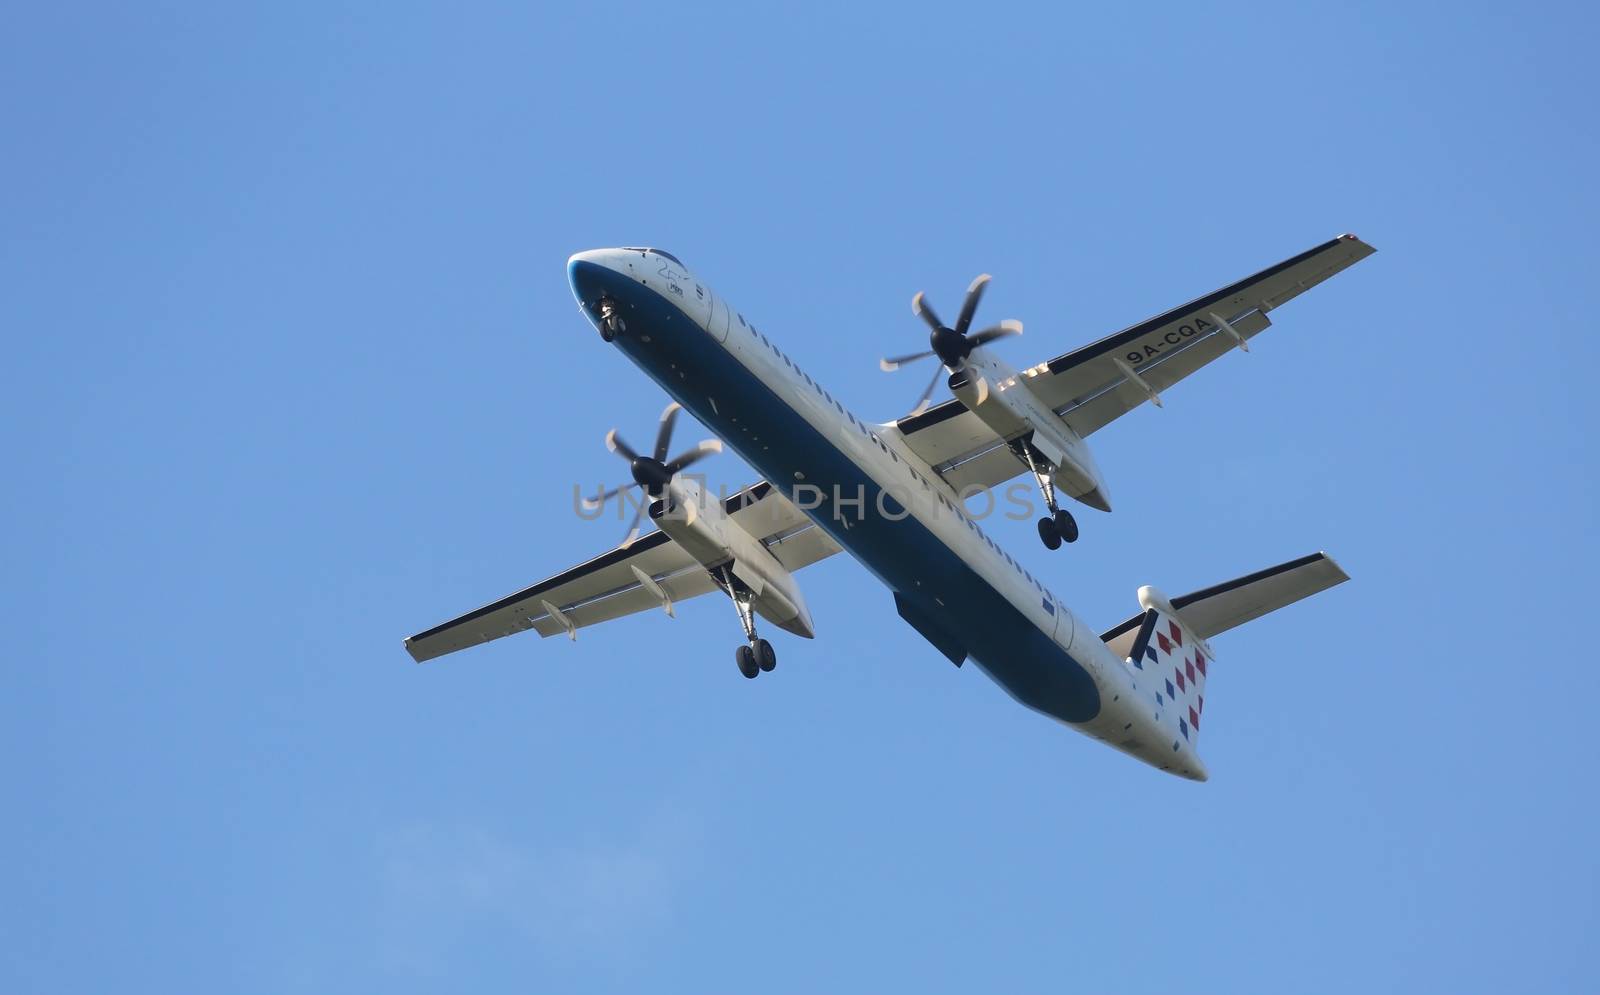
{"x":1185,"y":667}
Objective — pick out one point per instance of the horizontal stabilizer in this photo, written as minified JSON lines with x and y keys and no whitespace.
{"x":1166,"y":643}
{"x":1235,"y":602}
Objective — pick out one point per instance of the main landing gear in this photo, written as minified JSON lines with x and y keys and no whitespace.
{"x":757,"y":654}
{"x":611,"y":323}
{"x":1060,"y":525}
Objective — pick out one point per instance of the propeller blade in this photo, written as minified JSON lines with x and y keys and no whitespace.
{"x":695,"y":455}
{"x":895,"y":362}
{"x":615,"y":444}
{"x":664,"y":433}
{"x":1004,"y":329}
{"x":590,"y":504}
{"x":922,"y":402}
{"x":920,"y":307}
{"x":633,"y":526}
{"x":969,"y":307}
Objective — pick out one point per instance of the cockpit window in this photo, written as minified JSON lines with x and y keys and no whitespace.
{"x":659,"y":252}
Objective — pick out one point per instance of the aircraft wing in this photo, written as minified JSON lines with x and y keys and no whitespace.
{"x":613,"y":584}
{"x":1093,"y":386}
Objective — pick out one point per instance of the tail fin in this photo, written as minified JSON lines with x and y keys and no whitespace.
{"x":1171,"y":653}
{"x":1168,"y":641}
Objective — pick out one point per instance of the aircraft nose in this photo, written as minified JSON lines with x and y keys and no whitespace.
{"x":591,"y":261}
{"x":591,"y":273}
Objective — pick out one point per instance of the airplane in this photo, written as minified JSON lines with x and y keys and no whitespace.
{"x":893,"y":496}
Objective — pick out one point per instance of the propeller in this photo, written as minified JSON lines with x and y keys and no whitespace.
{"x":951,"y":345}
{"x":653,"y":472}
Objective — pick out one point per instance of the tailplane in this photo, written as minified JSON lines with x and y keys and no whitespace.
{"x":1168,"y":643}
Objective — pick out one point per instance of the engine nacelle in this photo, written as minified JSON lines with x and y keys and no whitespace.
{"x":697,"y":522}
{"x":1002,"y":400}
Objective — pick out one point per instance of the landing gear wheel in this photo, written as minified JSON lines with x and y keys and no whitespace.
{"x":611,"y":323}
{"x":766,"y":659}
{"x":1048,"y":533}
{"x":1066,"y":525}
{"x":745,"y":657}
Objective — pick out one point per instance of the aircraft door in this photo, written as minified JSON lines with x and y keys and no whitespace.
{"x":1064,"y":626}
{"x":718,"y":325}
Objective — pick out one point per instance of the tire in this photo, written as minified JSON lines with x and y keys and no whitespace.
{"x":1067,"y":526}
{"x":1048,"y":534}
{"x":766,"y":659}
{"x":606,"y":334}
{"x":746,"y":659}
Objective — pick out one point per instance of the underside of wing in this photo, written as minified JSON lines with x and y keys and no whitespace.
{"x":1232,"y":603}
{"x":653,"y":572}
{"x":1092,"y":386}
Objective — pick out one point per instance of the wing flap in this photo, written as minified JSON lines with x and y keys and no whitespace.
{"x":628,"y":600}
{"x":802,"y":547}
{"x":1088,"y":415}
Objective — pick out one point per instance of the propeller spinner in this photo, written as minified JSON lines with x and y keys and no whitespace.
{"x":951,"y":345}
{"x":653,"y":472}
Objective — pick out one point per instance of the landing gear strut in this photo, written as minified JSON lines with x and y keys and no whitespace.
{"x":1060,"y":525}
{"x":611,"y":323}
{"x":756,"y":655}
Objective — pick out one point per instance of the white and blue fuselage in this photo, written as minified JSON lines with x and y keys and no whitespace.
{"x":878,"y":501}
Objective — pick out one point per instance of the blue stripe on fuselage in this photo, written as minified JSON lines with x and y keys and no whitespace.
{"x":692,"y":367}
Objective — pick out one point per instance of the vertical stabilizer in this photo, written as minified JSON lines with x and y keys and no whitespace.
{"x":1167,"y":645}
{"x":1170,"y":653}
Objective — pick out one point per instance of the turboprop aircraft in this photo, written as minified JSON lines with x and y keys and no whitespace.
{"x":892,"y":495}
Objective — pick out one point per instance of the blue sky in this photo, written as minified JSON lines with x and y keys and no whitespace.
{"x":293,"y":371}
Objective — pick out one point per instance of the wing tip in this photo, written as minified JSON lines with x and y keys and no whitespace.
{"x":1355,"y":240}
{"x":1339,"y":571}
